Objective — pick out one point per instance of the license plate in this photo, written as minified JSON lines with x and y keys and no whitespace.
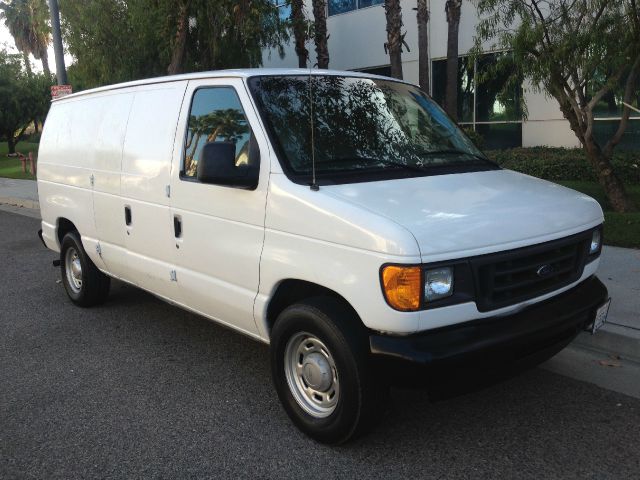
{"x":601,"y":316}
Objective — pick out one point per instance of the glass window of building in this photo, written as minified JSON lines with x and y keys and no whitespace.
{"x":498,"y":97}
{"x":284,"y":8}
{"x":336,"y":7}
{"x":489,"y":100}
{"x":607,"y":113}
{"x":369,"y":3}
{"x":341,"y":6}
{"x":466,"y":86}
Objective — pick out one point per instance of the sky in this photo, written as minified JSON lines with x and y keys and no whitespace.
{"x":6,"y":41}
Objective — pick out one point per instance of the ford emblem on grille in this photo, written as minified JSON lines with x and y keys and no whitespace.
{"x":544,"y":270}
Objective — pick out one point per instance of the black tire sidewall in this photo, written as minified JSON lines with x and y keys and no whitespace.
{"x":346,"y":349}
{"x":71,"y":240}
{"x":95,"y":284}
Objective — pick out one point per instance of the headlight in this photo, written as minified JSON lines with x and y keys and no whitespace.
{"x":596,"y":240}
{"x":438,"y":283}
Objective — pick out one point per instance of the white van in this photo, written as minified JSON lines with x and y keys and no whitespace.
{"x":342,"y":218}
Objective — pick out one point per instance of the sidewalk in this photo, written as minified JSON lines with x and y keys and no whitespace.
{"x":21,"y":193}
{"x":619,"y":270}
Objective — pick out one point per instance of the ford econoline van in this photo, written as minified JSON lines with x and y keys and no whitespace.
{"x":342,"y":218}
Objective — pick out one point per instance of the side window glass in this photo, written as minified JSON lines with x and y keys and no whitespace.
{"x":216,"y":116}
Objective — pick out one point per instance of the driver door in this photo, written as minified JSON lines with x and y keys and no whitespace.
{"x":218,"y":230}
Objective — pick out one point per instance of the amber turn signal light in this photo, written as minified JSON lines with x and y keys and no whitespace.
{"x":402,"y":287}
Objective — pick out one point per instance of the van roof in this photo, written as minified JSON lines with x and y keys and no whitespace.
{"x":239,"y":73}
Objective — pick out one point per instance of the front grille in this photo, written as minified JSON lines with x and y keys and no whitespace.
{"x":507,"y":278}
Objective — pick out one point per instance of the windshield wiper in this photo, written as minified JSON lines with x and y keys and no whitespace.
{"x":383,"y":161}
{"x":453,"y":151}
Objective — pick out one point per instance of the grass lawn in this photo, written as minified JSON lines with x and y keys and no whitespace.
{"x":620,"y":229}
{"x":11,"y":167}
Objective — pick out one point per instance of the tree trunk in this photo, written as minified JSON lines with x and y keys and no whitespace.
{"x":27,"y":64}
{"x":452,"y":9}
{"x":320,"y":32}
{"x":393,"y":13}
{"x":180,"y":41}
{"x":44,"y":58}
{"x":11,"y":143}
{"x":423,"y":45}
{"x":299,"y":32}
{"x":608,"y":180}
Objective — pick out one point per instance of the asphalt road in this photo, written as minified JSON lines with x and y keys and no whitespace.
{"x":137,"y":388}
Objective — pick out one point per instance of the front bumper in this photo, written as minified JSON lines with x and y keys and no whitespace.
{"x":504,"y":343}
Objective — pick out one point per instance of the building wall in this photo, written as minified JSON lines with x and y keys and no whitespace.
{"x":357,"y":42}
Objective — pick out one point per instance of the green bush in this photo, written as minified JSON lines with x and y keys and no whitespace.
{"x":556,"y":164}
{"x":474,"y":136}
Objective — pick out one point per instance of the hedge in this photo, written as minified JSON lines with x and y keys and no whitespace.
{"x":558,"y":164}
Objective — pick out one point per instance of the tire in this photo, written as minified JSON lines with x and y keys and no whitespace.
{"x":320,"y":343}
{"x":86,"y":286}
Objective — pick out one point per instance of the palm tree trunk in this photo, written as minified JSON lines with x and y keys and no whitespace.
{"x":180,"y":41}
{"x":299,"y":32}
{"x":422,"y":17}
{"x":452,"y":9}
{"x":393,"y":13}
{"x":27,"y":64}
{"x":44,"y":58}
{"x":320,"y":32}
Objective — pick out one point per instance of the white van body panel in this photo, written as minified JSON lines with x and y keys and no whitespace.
{"x":468,"y":214}
{"x":146,"y":173}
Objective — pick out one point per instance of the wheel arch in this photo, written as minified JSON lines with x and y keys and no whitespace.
{"x":64,"y":226}
{"x":292,"y":290}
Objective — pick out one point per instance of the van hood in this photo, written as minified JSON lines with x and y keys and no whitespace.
{"x":458,"y":215}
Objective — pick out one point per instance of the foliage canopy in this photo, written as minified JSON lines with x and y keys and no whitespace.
{"x":115,"y":40}
{"x":579,"y":52}
{"x":23,"y":98}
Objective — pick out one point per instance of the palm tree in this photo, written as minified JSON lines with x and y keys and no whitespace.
{"x":299,"y":32}
{"x":180,"y":38}
{"x":27,"y":23}
{"x":422,"y":17}
{"x":452,"y":9}
{"x":320,"y":32}
{"x":393,"y":13}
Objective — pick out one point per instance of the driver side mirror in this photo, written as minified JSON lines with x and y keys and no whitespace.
{"x":217,"y":166}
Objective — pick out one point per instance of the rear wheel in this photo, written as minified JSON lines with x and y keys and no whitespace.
{"x":85,"y":284}
{"x":320,"y":368}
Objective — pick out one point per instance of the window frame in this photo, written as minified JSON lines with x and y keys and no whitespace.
{"x":183,"y":149}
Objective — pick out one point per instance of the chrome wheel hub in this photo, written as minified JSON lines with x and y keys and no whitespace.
{"x":311,"y":375}
{"x":73,"y":269}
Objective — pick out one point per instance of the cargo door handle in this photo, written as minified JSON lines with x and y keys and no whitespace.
{"x":177,"y":226}
{"x":127,"y":215}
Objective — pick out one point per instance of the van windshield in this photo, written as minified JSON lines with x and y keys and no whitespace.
{"x":364,"y":129}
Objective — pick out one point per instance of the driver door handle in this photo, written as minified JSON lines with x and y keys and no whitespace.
{"x":177,"y":226}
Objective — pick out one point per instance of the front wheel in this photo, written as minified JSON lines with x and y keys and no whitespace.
{"x":320,"y":368}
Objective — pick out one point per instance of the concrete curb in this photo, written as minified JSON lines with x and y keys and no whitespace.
{"x":20,"y":202}
{"x":612,"y":339}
